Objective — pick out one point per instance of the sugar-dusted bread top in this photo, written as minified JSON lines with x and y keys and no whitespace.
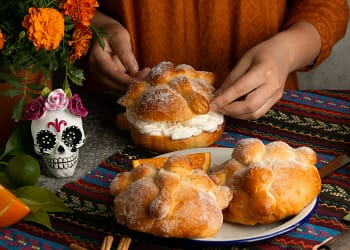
{"x":269,"y":182}
{"x":173,"y":201}
{"x":170,"y":93}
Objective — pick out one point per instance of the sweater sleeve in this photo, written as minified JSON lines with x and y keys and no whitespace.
{"x":330,"y":18}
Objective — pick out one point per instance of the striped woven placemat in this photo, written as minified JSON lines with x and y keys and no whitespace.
{"x":318,"y":119}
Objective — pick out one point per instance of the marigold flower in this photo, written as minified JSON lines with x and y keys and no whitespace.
{"x":81,"y":42}
{"x":45,"y":27}
{"x":2,"y":40}
{"x":81,"y":11}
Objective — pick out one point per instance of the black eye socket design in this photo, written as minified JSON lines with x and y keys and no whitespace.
{"x":46,"y":140}
{"x":71,"y":136}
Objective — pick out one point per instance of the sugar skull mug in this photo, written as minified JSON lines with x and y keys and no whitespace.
{"x":57,"y":130}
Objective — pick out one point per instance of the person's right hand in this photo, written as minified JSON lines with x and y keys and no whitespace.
{"x":115,"y":65}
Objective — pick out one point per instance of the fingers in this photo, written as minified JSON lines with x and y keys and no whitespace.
{"x":121,"y":47}
{"x":250,"y":95}
{"x":108,"y":69}
{"x":142,"y":74}
{"x":115,"y":65}
{"x":233,"y":89}
{"x":254,"y":105}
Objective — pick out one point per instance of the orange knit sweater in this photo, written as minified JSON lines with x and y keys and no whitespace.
{"x":213,"y":34}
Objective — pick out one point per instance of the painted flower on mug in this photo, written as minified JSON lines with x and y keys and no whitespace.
{"x":35,"y":109}
{"x":57,"y":99}
{"x":75,"y":106}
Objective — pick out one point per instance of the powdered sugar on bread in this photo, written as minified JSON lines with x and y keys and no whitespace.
{"x":173,"y":104}
{"x":269,"y":182}
{"x":175,"y":201}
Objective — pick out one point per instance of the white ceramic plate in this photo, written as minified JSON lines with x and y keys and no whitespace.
{"x":234,"y":233}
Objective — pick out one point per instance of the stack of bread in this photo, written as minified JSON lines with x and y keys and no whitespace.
{"x":259,"y":184}
{"x":169,"y":110}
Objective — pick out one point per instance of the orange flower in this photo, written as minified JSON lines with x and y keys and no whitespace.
{"x":81,"y":42}
{"x":2,"y":40}
{"x":81,"y":11}
{"x":45,"y":27}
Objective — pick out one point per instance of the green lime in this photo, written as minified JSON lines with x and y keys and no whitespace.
{"x":23,"y":170}
{"x":4,"y":180}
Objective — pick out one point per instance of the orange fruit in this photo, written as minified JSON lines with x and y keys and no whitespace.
{"x":198,"y":160}
{"x":12,"y":209}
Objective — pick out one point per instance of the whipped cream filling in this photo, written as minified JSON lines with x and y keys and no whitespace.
{"x":178,"y":130}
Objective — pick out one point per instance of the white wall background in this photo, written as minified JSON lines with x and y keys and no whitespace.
{"x":334,"y":72}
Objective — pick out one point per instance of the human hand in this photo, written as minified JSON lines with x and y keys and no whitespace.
{"x":257,"y":81}
{"x":115,"y":65}
{"x":255,"y":84}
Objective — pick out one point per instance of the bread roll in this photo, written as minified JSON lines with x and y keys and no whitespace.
{"x":173,"y":201}
{"x":269,"y":182}
{"x":169,"y":111}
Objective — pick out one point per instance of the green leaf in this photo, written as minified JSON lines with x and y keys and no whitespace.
{"x":37,"y":87}
{"x":347,"y":217}
{"x":34,"y":205}
{"x":11,"y":80}
{"x":40,"y":217}
{"x":65,"y":84}
{"x":20,"y":140}
{"x":41,"y":201}
{"x":17,"y":83}
{"x":76,"y":75}
{"x":99,"y":34}
{"x":33,"y":95}
{"x":11,"y":92}
{"x":46,"y":72}
{"x":42,"y":195}
{"x":21,"y":35}
{"x":18,"y":109}
{"x":68,"y":92}
{"x":45,"y":92}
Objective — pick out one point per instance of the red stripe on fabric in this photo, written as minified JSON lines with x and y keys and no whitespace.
{"x":89,"y":194}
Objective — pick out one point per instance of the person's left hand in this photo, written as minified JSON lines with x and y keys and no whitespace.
{"x":255,"y":84}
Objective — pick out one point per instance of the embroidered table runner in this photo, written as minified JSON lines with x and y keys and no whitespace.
{"x":318,"y":119}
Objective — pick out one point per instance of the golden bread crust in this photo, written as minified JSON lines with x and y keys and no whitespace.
{"x":269,"y":182}
{"x":165,"y":144}
{"x":176,"y":97}
{"x":164,"y":72}
{"x":121,"y":122}
{"x":173,"y":201}
{"x":170,"y":93}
